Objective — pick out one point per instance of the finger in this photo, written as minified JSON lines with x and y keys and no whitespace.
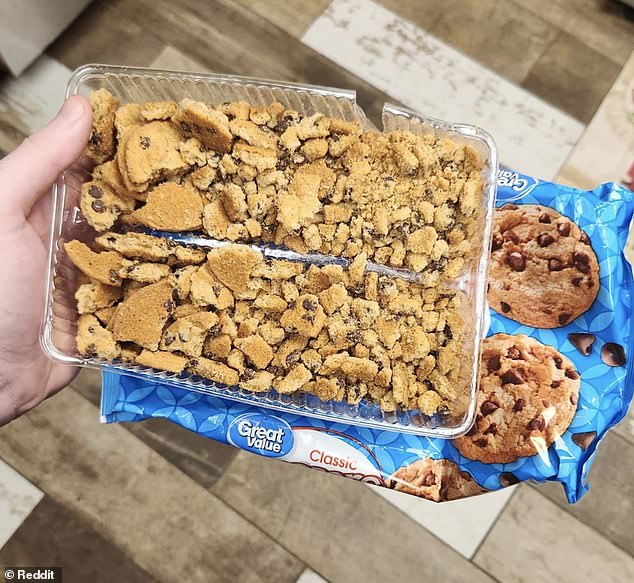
{"x":30,"y":170}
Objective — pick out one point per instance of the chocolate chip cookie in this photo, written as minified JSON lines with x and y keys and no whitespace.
{"x":437,"y":480}
{"x":527,"y":398}
{"x":543,"y":270}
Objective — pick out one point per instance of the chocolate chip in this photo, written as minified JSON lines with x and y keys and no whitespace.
{"x":511,"y":236}
{"x":169,"y":339}
{"x":491,"y":429}
{"x":509,"y":207}
{"x":505,"y":307}
{"x":555,"y":264}
{"x":353,"y":336}
{"x":293,"y":358}
{"x":169,"y":305}
{"x":545,"y":218}
{"x":582,"y":342}
{"x":481,"y":442}
{"x":555,"y":384}
{"x":429,"y":479}
{"x":536,"y":424}
{"x":573,"y":399}
{"x":581,"y":261}
{"x":519,"y":405}
{"x":558,"y":361}
{"x":488,"y":407}
{"x":496,"y":242}
{"x":98,"y":206}
{"x":95,"y":139}
{"x":584,"y":238}
{"x":91,"y":329}
{"x":564,"y":318}
{"x":613,"y":354}
{"x":571,"y":373}
{"x":513,"y":353}
{"x":95,"y":191}
{"x":564,"y":229}
{"x":576,"y":281}
{"x":247,"y":375}
{"x":507,"y":479}
{"x":113,"y":276}
{"x":584,"y":439}
{"x":144,"y":142}
{"x":91,"y":350}
{"x":512,"y":377}
{"x":309,"y":305}
{"x":493,"y":363}
{"x":545,"y":239}
{"x":516,"y":261}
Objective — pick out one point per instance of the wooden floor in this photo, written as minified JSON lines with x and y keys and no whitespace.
{"x":153,"y":502}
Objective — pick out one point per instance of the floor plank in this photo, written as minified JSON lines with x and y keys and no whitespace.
{"x":339,"y":528}
{"x":433,"y":78}
{"x":81,"y":552}
{"x":18,"y":497}
{"x":30,"y":101}
{"x":101,"y":35}
{"x":232,"y":39}
{"x":201,"y":459}
{"x":137,"y":500}
{"x":605,"y":152}
{"x":498,"y":34}
{"x":572,"y":76}
{"x":609,"y":505}
{"x":463,"y":524}
{"x":292,"y":16}
{"x":534,"y":539}
{"x":602,"y":25}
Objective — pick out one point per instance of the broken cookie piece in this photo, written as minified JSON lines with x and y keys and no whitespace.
{"x":171,"y":207}
{"x":198,"y":120}
{"x":93,"y":340}
{"x":141,"y":317}
{"x":162,"y":360}
{"x":103,"y":267}
{"x":102,"y":141}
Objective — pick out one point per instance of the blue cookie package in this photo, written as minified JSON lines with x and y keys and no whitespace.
{"x":594,"y":345}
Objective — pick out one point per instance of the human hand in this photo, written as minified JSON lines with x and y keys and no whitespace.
{"x":27,"y":376}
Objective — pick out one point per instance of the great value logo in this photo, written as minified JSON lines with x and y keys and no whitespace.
{"x":512,"y":185}
{"x":262,"y":434}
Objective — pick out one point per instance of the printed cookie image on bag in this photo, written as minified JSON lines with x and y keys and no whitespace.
{"x":527,"y":398}
{"x":437,"y":480}
{"x":543,"y":270}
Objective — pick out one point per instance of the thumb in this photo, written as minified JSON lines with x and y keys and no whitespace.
{"x":30,"y":170}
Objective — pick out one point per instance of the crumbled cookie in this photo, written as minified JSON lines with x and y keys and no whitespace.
{"x":232,"y":265}
{"x":143,"y":272}
{"x":294,"y":380}
{"x":101,"y":206}
{"x":104,"y":267}
{"x":171,"y":207}
{"x":306,"y":317}
{"x":149,"y":154}
{"x":141,"y":246}
{"x":187,"y":334}
{"x":141,"y":317}
{"x":104,"y":315}
{"x":93,"y":340}
{"x":215,"y":371}
{"x":217,"y":347}
{"x":258,"y":381}
{"x":158,"y":110}
{"x":200,"y":121}
{"x":92,"y":296}
{"x":162,"y":360}
{"x":207,"y":290}
{"x":101,"y":142}
{"x":256,"y":350}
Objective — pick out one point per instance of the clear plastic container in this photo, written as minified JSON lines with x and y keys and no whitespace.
{"x":137,"y":85}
